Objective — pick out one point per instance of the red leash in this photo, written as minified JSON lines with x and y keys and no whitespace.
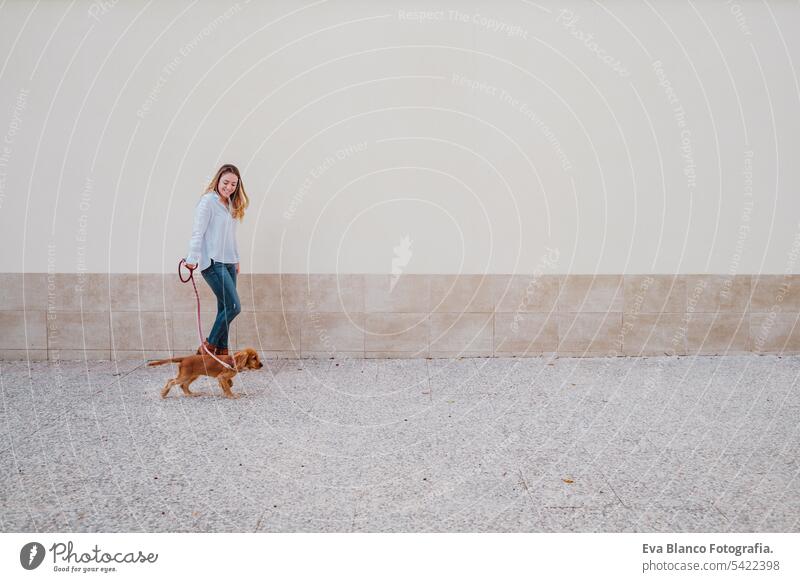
{"x":199,"y":329}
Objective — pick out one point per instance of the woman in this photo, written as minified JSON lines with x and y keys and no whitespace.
{"x":214,"y":249}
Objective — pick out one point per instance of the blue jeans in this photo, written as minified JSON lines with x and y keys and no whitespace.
{"x":221,"y":277}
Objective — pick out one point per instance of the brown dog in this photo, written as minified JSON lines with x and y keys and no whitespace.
{"x":192,"y":367}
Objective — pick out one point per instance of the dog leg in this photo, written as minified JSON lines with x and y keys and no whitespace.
{"x":225,"y":384}
{"x":165,"y":390}
{"x":185,"y":388}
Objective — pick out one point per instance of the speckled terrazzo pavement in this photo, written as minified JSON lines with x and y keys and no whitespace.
{"x":703,"y":444}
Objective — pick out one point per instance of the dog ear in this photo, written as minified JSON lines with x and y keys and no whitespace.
{"x":240,"y":358}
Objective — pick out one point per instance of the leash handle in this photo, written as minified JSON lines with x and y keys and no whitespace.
{"x":199,"y":328}
{"x":191,"y":269}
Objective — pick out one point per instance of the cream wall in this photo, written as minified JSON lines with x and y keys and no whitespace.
{"x":491,"y":134}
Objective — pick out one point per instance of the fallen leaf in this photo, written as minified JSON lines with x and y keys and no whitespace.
{"x":568,"y":481}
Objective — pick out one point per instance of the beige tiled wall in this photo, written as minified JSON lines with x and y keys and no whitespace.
{"x":99,"y":316}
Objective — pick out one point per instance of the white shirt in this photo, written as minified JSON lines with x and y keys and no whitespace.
{"x":213,"y":233}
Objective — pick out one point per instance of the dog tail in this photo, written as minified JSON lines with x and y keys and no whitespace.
{"x":160,"y":362}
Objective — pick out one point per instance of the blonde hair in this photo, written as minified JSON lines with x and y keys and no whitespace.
{"x":238,"y":200}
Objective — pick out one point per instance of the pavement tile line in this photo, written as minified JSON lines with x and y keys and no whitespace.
{"x":489,"y":451}
{"x":692,"y":359}
{"x":755,"y":447}
{"x":40,"y":426}
{"x":689,"y":415}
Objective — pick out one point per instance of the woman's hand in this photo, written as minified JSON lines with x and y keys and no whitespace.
{"x":237,"y":268}
{"x":191,"y":266}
